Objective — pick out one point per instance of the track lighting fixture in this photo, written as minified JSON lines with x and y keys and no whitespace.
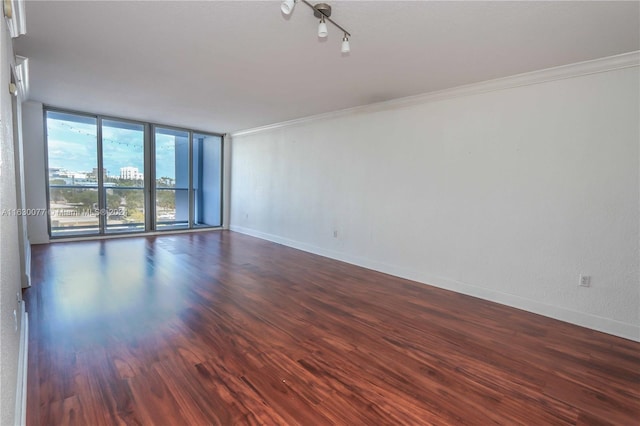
{"x":322,"y":28}
{"x":345,"y":44}
{"x":322,"y":11}
{"x":287,"y":6}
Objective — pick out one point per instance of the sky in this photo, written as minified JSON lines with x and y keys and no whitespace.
{"x":73,"y":146}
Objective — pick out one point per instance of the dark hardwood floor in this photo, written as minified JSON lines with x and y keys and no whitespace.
{"x":221,"y":328}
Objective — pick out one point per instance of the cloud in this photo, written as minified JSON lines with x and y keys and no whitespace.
{"x":73,"y":146}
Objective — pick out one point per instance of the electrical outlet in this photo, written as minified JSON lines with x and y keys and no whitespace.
{"x":335,"y":234}
{"x":585,"y":281}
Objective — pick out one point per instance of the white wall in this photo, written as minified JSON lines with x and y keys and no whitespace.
{"x":10,"y":274}
{"x":507,"y":195}
{"x":35,"y":179}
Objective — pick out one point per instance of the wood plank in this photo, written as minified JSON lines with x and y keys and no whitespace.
{"x":220,"y":328}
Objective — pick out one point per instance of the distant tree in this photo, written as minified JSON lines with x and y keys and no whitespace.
{"x":80,"y":198}
{"x":56,"y":195}
{"x":165,"y":182}
{"x":135,"y":216}
{"x":130,"y":182}
{"x":166,"y":199}
{"x":114,"y":201}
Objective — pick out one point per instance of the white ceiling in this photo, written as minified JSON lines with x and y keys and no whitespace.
{"x":231,"y":65}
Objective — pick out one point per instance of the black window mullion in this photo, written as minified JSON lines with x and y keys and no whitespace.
{"x":102,"y":202}
{"x":149,"y":178}
{"x":191,"y":191}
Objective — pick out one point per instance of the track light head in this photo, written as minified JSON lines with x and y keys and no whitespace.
{"x":287,"y":6}
{"x":322,"y":28}
{"x":346,"y":48}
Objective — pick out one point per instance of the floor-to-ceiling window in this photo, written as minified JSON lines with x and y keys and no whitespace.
{"x":123,"y":175}
{"x":207,"y":180}
{"x":171,"y":178}
{"x":109,"y":175}
{"x":72,"y":147}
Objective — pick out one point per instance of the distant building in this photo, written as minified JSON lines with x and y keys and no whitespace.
{"x":55,"y":171}
{"x":60,"y":176}
{"x":94,"y":173}
{"x":130,"y":173}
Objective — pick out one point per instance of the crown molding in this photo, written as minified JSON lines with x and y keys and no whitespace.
{"x":15,"y":16}
{"x":609,"y":63}
{"x":21,"y":75}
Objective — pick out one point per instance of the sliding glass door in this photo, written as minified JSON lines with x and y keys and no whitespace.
{"x":109,"y":176}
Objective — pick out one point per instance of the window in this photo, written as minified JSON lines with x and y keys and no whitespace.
{"x":72,"y":146}
{"x":109,"y":176}
{"x":123,"y":175}
{"x":207,"y":180}
{"x":172,"y":178}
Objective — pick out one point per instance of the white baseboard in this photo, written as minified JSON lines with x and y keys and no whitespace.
{"x":605,"y":325}
{"x":21,"y":391}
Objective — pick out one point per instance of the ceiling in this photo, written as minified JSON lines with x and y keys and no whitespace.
{"x":231,"y":65}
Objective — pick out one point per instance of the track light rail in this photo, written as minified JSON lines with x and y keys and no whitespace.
{"x":327,"y":17}
{"x":322,"y":11}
